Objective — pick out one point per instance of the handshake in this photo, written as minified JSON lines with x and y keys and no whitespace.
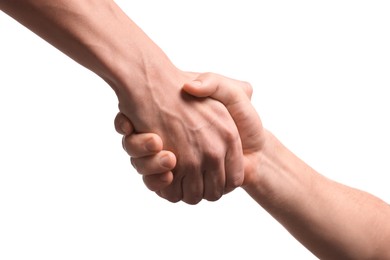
{"x":197,"y":136}
{"x":331,"y":220}
{"x":215,"y":176}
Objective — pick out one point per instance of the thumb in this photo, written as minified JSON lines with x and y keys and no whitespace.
{"x":198,"y":89}
{"x":225,"y":90}
{"x":235,"y":95}
{"x":123,"y":125}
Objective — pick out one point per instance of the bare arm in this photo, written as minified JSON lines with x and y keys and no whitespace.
{"x":100,"y":36}
{"x":332,"y":220}
{"x":96,"y":34}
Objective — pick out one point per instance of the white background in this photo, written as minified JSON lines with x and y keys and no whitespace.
{"x":321,"y":73}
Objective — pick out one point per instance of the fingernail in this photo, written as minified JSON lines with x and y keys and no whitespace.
{"x":196,"y":83}
{"x":150,"y":145}
{"x":164,"y":161}
{"x":124,"y":127}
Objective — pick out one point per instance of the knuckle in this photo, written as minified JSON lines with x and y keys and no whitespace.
{"x":194,"y":193}
{"x":173,"y":198}
{"x":208,"y":74}
{"x":247,"y":88}
{"x":214,"y":196}
{"x":235,"y":182}
{"x":193,"y":200}
{"x":171,"y":193}
{"x":213,"y":155}
{"x":230,"y":136}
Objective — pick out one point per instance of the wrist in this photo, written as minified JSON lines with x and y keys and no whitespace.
{"x":278,"y":175}
{"x":285,"y":186}
{"x":137,"y":73}
{"x":258,"y":167}
{"x":146,"y":73}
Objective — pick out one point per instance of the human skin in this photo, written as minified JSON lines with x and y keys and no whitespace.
{"x":102,"y":38}
{"x":332,"y":220}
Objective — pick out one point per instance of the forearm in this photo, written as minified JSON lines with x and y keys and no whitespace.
{"x":96,"y":34}
{"x":332,"y":220}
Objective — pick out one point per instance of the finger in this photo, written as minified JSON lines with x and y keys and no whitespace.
{"x":156,"y":182}
{"x":248,"y":89}
{"x":226,"y":90}
{"x":214,"y":181}
{"x":140,"y":145}
{"x":174,"y":191}
{"x":192,"y":187}
{"x":123,"y":125}
{"x":158,"y":192}
{"x":159,"y":163}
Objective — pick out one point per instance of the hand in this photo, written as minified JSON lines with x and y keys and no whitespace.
{"x":235,"y":95}
{"x":200,"y":132}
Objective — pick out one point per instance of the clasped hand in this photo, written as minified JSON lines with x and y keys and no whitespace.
{"x":157,"y":165}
